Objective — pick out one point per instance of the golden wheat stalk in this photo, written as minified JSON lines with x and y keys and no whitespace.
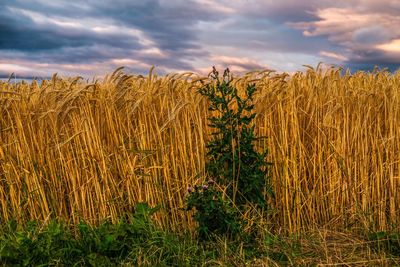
{"x":74,"y":150}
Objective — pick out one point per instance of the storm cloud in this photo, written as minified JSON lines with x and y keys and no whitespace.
{"x":89,"y":38}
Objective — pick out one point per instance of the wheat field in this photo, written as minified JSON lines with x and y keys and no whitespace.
{"x":74,"y":149}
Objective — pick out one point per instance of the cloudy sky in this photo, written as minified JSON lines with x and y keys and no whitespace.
{"x":91,"y":38}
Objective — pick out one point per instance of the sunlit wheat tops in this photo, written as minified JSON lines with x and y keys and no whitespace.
{"x":76,"y":150}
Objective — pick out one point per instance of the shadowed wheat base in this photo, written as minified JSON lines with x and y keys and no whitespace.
{"x":75,"y":150}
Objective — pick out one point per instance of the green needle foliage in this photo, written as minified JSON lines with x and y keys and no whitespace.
{"x":232,"y":160}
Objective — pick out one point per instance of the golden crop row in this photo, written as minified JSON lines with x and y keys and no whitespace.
{"x":77,"y":150}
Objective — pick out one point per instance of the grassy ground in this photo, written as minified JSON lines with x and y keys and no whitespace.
{"x":135,"y":241}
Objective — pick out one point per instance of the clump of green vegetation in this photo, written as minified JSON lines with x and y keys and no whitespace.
{"x":134,"y":240}
{"x":233,"y":162}
{"x":387,"y":241}
{"x":213,"y":213}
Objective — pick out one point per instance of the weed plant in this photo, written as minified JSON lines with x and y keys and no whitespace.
{"x":233,"y":162}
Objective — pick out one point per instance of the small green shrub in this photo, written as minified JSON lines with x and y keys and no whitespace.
{"x":233,"y":162}
{"x":232,"y":158}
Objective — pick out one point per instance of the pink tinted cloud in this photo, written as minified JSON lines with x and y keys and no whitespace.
{"x":392,"y":47}
{"x":27,"y":68}
{"x":363,"y":30}
{"x":238,"y":65}
{"x":333,"y":55}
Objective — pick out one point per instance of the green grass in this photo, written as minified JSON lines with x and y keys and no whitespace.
{"x":133,"y":241}
{"x":136,"y":241}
